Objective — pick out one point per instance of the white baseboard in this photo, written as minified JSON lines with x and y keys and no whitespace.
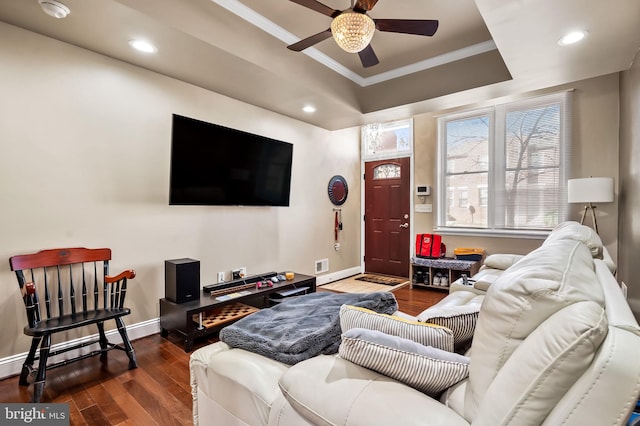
{"x":335,"y":276}
{"x":10,"y":366}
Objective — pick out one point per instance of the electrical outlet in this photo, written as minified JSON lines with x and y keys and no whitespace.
{"x":220,"y":277}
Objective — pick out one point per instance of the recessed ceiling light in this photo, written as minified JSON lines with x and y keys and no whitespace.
{"x":143,"y":46}
{"x":309,"y":109}
{"x":572,"y":37}
{"x":54,"y":8}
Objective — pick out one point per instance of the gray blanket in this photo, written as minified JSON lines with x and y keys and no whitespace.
{"x":301,"y":327}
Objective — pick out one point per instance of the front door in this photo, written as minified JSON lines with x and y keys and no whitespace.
{"x":386,"y":224}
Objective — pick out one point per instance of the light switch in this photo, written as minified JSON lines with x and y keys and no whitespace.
{"x":424,"y":208}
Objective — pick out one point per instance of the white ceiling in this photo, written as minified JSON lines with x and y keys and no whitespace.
{"x":483,"y":49}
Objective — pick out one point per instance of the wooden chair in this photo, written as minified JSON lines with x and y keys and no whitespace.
{"x":78,"y":291}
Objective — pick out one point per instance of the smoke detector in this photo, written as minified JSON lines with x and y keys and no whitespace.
{"x":54,"y":8}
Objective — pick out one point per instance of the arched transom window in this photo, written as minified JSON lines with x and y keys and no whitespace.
{"x":387,"y":171}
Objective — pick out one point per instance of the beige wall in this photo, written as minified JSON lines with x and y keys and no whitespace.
{"x":594,"y":153}
{"x":84,"y":161}
{"x":629,"y":228}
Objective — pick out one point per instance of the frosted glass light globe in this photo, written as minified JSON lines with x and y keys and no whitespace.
{"x":352,"y":31}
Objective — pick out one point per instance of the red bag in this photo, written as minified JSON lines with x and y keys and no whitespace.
{"x":430,"y":246}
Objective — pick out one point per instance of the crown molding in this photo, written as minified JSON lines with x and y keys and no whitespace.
{"x":254,"y":18}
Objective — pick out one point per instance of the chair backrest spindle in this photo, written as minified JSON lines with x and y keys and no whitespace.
{"x":60,"y":296}
{"x":72,"y":291}
{"x":116,"y":299}
{"x":36,"y":302}
{"x":105,"y":266}
{"x":84,"y":291}
{"x":95,"y":285}
{"x":123,"y":291}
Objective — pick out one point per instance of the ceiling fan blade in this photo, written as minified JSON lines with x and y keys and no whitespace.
{"x":318,"y":7}
{"x":425,"y":27}
{"x":368,"y":57}
{"x":364,"y":5}
{"x":310,"y":41}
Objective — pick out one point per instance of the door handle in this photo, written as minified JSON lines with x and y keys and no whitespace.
{"x":404,"y":225}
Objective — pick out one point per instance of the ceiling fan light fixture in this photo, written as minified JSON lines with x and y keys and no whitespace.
{"x":352,"y":31}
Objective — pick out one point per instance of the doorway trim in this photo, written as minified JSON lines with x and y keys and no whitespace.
{"x":363,"y":205}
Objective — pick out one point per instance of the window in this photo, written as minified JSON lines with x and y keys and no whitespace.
{"x":387,"y":171}
{"x":387,"y":140}
{"x":483,"y":195}
{"x":507,"y":166}
{"x":463,"y":199}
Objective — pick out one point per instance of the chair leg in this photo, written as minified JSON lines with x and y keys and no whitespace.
{"x":127,"y":343}
{"x":27,"y":367}
{"x":103,"y":341}
{"x":38,"y":385}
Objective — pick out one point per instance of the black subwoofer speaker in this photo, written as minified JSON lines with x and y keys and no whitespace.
{"x":182,"y":280}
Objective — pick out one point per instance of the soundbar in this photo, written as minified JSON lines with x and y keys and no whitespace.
{"x":236,"y":283}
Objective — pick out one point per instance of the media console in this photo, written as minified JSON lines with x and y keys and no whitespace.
{"x":187,"y":319}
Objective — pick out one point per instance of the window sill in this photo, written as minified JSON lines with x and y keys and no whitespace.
{"x":493,"y":233}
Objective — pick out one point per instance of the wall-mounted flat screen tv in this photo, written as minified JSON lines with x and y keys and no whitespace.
{"x":216,"y":165}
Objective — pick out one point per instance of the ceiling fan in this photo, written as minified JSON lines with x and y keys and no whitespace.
{"x":352,"y":29}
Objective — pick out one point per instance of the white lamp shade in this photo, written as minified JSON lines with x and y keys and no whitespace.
{"x":590,"y":190}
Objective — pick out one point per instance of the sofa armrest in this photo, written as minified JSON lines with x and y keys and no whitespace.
{"x":501,"y":261}
{"x":221,"y":376}
{"x":608,"y":261}
{"x":329,"y":390}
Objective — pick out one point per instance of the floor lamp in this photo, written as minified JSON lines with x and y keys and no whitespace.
{"x":590,"y":190}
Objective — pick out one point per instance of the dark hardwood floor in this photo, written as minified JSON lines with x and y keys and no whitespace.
{"x":157,"y":392}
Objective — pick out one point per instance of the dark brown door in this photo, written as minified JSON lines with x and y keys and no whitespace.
{"x":386,"y":224}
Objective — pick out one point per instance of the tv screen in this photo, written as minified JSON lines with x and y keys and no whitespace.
{"x":216,"y":165}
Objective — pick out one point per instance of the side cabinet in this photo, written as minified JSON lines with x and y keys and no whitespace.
{"x":438,"y":274}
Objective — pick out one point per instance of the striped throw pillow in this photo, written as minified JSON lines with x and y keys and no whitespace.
{"x":427,"y":369}
{"x":461,"y":320}
{"x":426,"y":334}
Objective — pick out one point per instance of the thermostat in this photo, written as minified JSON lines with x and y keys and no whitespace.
{"x":423,"y":190}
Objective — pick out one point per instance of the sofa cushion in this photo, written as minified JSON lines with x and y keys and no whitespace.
{"x":425,"y":334}
{"x":571,"y":230}
{"x":544,"y":367}
{"x":329,"y":390}
{"x":547,"y":280}
{"x":424,"y":368}
{"x":460,"y":316}
{"x":501,"y":261}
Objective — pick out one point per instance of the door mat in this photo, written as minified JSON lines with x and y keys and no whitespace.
{"x":381,"y":279}
{"x":355,"y":285}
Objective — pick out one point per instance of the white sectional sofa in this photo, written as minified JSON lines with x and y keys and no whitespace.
{"x":554,"y":343}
